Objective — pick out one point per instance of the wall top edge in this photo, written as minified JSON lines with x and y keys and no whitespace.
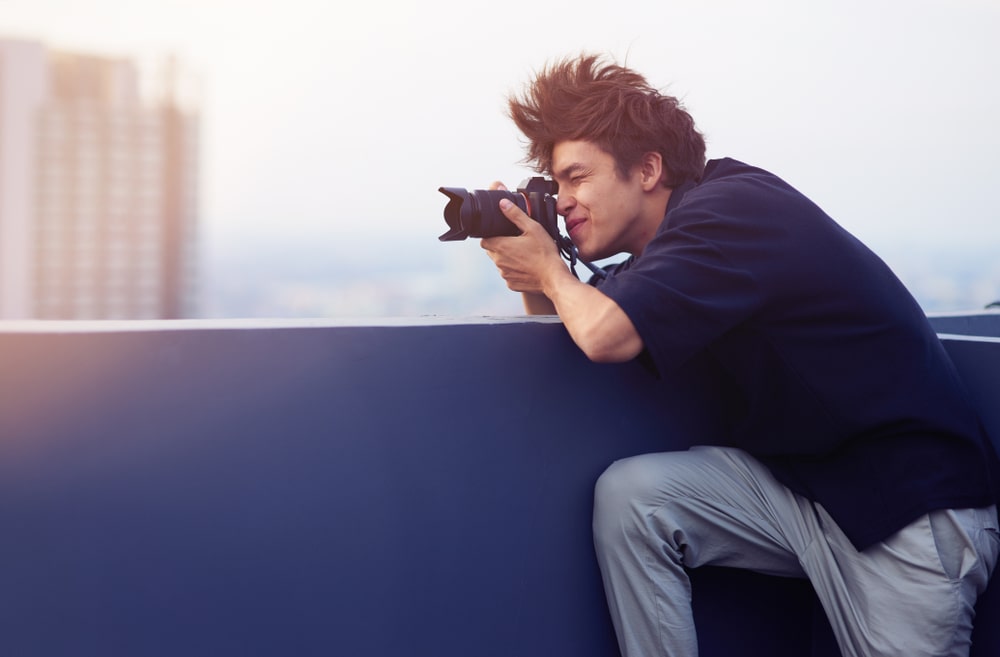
{"x":952,"y":337}
{"x":131,"y":326}
{"x":989,"y":312}
{"x":119,"y":326}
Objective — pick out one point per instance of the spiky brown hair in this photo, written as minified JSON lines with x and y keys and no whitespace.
{"x":588,"y":98}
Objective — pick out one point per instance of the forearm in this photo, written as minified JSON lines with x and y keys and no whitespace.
{"x":536,"y":303}
{"x":596,"y":323}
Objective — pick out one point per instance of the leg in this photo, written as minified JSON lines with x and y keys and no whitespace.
{"x":656,"y":515}
{"x":912,"y":595}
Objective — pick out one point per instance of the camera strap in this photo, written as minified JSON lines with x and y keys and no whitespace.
{"x":570,"y":253}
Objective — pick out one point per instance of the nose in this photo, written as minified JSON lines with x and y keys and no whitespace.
{"x":564,"y":203}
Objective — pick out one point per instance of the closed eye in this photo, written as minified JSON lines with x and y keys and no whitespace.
{"x":574,"y":174}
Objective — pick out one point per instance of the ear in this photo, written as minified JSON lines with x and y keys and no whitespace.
{"x":650,"y":170}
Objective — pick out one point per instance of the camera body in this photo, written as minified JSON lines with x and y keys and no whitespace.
{"x":477,"y":213}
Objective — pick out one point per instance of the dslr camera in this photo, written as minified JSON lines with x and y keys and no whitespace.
{"x":477,"y":213}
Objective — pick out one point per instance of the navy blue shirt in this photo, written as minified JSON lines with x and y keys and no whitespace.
{"x":834,"y":377}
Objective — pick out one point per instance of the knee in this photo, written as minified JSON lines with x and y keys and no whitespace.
{"x":616,"y":487}
{"x":622,"y":496}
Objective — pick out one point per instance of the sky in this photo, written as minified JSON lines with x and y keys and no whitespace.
{"x":335,"y":123}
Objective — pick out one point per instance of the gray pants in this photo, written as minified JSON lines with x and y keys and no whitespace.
{"x":656,"y":515}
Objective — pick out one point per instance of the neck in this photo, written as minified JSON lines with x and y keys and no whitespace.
{"x":649,"y":222}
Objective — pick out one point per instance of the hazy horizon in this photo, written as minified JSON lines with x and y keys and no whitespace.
{"x":326,"y":128}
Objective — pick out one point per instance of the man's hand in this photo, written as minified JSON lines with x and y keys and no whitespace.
{"x":526,"y":260}
{"x":530,"y":263}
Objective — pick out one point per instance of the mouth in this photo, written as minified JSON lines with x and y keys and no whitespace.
{"x":573,"y":223}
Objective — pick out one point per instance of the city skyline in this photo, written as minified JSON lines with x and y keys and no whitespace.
{"x":325,"y":129}
{"x":98,"y":189}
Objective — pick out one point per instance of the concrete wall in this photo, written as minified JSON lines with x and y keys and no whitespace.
{"x":416,"y":488}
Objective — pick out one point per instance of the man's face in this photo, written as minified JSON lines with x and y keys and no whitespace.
{"x":601,"y":209}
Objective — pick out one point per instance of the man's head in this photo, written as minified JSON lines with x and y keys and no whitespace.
{"x":587,"y":99}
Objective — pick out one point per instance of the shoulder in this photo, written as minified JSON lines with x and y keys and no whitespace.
{"x":729,"y":179}
{"x":733,"y":191}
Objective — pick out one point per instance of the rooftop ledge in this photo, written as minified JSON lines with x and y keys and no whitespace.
{"x":984,"y":322}
{"x":115,"y":326}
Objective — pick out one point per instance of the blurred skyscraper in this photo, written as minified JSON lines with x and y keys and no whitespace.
{"x":98,"y":188}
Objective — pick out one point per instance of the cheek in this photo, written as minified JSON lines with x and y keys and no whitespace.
{"x":619,"y":209}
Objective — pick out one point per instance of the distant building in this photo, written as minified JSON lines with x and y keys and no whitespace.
{"x":98,"y":189}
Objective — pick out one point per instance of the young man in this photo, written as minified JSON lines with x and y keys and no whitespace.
{"x":854,"y":459}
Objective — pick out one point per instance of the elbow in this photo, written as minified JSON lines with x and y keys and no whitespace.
{"x":603,"y":331}
{"x":611,"y":349}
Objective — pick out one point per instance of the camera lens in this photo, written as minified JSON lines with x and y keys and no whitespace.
{"x":477,"y":213}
